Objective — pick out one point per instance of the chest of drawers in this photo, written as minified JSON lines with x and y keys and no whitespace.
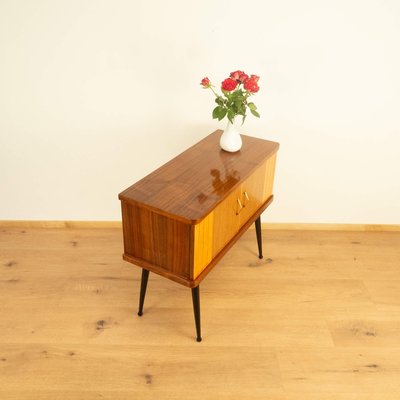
{"x":182,"y":218}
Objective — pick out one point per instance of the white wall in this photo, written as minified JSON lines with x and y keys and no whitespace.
{"x":96,"y":94}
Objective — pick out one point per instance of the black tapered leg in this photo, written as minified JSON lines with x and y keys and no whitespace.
{"x":143,"y":287}
{"x":196,"y":309}
{"x":259,"y":237}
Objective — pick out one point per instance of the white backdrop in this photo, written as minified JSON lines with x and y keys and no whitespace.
{"x":96,"y":94}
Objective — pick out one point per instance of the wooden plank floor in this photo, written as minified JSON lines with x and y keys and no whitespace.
{"x":318,"y":318}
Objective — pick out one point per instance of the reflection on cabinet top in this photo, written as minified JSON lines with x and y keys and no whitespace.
{"x":192,"y":184}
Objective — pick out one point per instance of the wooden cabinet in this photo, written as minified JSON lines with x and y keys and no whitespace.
{"x":182,"y":218}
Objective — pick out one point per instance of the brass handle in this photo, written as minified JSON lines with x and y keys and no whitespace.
{"x":246,"y":198}
{"x":240,"y":207}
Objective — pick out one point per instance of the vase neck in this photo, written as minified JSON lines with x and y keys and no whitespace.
{"x":237,"y":121}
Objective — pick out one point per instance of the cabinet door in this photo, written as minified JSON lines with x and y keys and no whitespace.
{"x":215,"y":231}
{"x":256,"y":189}
{"x":226,"y":221}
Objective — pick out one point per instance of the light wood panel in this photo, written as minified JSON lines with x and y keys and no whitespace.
{"x":203,"y":240}
{"x":317,"y":318}
{"x":252,"y":193}
{"x":225,"y":221}
{"x":269,"y":176}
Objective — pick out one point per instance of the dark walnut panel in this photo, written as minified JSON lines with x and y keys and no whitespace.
{"x":156,"y":240}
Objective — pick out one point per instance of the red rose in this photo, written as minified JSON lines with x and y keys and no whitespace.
{"x":239,"y":76}
{"x":251,"y":84}
{"x":205,"y":82}
{"x":229,"y":84}
{"x":255,"y":77}
{"x":243,"y":78}
{"x":235,"y":75}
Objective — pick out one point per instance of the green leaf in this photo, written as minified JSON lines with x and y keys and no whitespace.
{"x":215,"y":112}
{"x":238,"y":105}
{"x":221,"y":113}
{"x":231,"y":115}
{"x":219,"y":100}
{"x":252,"y":106}
{"x":237,"y":97}
{"x":255,"y":113}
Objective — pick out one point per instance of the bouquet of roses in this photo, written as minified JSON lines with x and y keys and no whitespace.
{"x":236,"y":91}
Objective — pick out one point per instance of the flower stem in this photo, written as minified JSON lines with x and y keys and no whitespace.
{"x":216,"y":95}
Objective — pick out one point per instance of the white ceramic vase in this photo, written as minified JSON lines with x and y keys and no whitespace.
{"x":230,"y":138}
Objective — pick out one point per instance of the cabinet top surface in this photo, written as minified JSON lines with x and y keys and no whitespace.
{"x":191,"y":185}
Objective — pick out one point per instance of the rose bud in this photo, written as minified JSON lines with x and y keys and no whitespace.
{"x":205,"y":82}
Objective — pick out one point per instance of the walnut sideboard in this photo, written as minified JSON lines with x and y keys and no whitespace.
{"x":182,"y":218}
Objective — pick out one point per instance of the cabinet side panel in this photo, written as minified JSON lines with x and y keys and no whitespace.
{"x":203,"y":242}
{"x":156,"y":239}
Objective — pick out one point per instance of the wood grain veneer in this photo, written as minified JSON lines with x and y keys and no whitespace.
{"x":179,"y":220}
{"x":192,"y":184}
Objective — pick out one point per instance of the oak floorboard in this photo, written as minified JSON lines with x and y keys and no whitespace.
{"x":129,"y":395}
{"x":317,"y":318}
{"x":155,"y":369}
{"x":340,"y":370}
{"x":378,"y":332}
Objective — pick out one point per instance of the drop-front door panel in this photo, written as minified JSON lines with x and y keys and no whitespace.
{"x":217,"y":229}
